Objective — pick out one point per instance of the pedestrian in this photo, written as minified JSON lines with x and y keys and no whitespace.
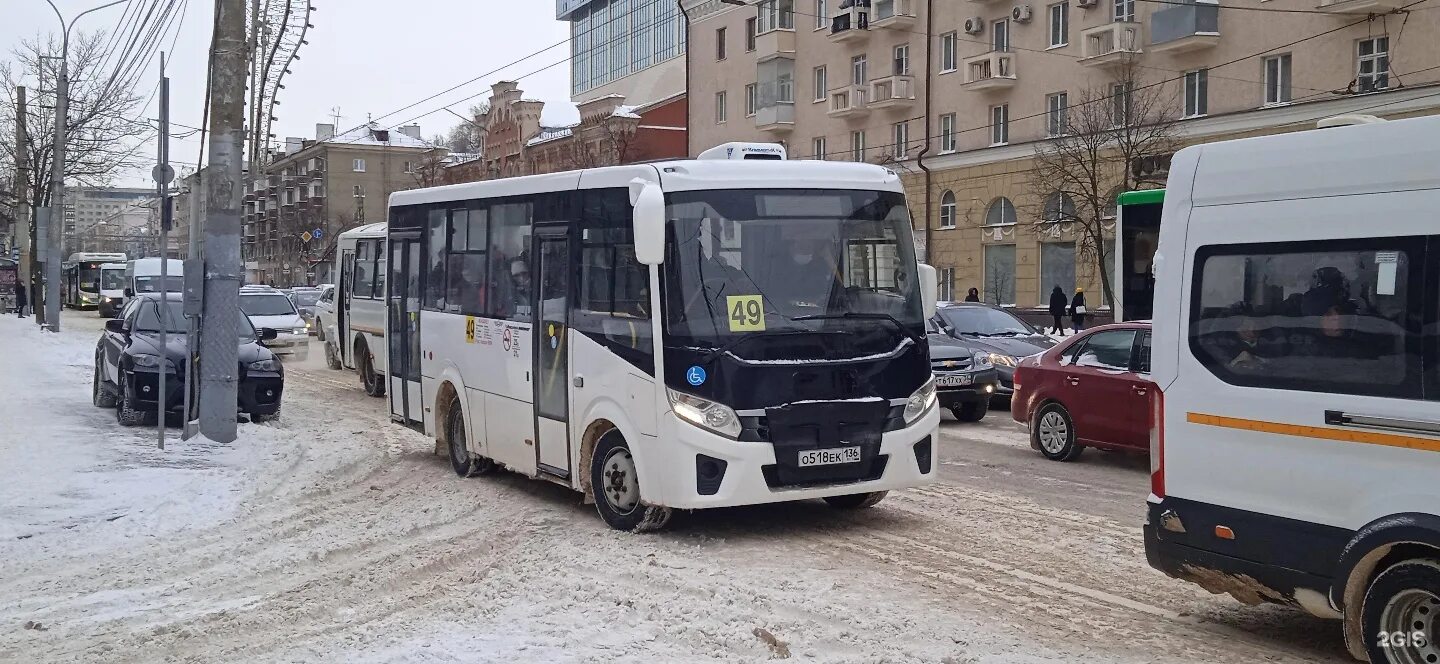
{"x":21,"y":298}
{"x":1057,"y":310}
{"x":973,"y":295}
{"x":1077,"y":310}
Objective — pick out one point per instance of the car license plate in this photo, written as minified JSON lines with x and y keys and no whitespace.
{"x":832,"y":456}
{"x":952,"y":381}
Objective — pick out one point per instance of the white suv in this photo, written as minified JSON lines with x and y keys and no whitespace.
{"x":267,"y":307}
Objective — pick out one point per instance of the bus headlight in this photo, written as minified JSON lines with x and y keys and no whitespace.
{"x":920,"y":401}
{"x":704,"y":413}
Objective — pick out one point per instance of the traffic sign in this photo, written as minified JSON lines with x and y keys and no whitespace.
{"x":163,"y":174}
{"x":305,"y":237}
{"x":317,"y":233}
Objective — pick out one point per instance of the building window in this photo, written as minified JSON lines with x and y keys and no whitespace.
{"x":1000,"y":35}
{"x":751,"y":99}
{"x":750,"y":32}
{"x":1000,"y":213}
{"x":902,"y":140}
{"x":947,"y":132}
{"x":1124,"y":10}
{"x":1196,"y":84}
{"x":902,"y":60}
{"x":857,"y":145}
{"x":359,"y":191}
{"x":1057,"y":107}
{"x":357,"y":165}
{"x":1059,"y":24}
{"x":720,"y":107}
{"x":819,"y":146}
{"x":822,"y":86}
{"x":720,"y":44}
{"x":948,"y":210}
{"x":859,"y":67}
{"x":1000,"y":124}
{"x":1120,"y":107}
{"x":775,"y":15}
{"x":1277,"y":79}
{"x":1059,"y":206}
{"x":1317,"y":316}
{"x":1000,"y":274}
{"x":948,"y":57}
{"x":947,"y":284}
{"x":1374,"y":64}
{"x":1057,"y":268}
{"x":822,"y":16}
{"x":409,"y":167}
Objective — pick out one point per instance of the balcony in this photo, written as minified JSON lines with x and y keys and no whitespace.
{"x":990,"y":71}
{"x":1110,"y":44}
{"x":1185,"y":28}
{"x":852,"y":24}
{"x":1360,"y":7}
{"x":851,"y":101}
{"x":892,"y":92}
{"x":779,"y":118}
{"x":894,"y":15}
{"x":775,"y":44}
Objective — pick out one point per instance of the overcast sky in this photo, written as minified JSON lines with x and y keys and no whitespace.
{"x":364,"y":57}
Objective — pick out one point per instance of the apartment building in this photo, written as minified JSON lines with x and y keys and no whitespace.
{"x":328,"y":184}
{"x":87,"y":206}
{"x":972,"y":91}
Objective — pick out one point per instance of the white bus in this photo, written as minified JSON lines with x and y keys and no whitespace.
{"x":678,"y":335}
{"x":353,"y":321}
{"x":1296,"y":453}
{"x":81,"y":275}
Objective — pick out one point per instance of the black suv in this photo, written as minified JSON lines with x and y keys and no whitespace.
{"x":964,"y":377}
{"x":128,"y":362}
{"x":986,"y":328}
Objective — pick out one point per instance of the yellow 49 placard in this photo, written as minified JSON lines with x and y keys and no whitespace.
{"x":746,"y":313}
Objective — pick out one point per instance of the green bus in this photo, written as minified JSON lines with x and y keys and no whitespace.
{"x":1137,"y":234}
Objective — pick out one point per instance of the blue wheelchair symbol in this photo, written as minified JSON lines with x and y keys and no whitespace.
{"x":695,"y":375}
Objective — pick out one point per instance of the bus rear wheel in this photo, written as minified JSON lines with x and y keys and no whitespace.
{"x":462,"y":461}
{"x":1400,"y":616}
{"x":374,"y":384}
{"x":616,"y":485}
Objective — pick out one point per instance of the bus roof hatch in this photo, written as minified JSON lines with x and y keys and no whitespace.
{"x":736,"y":151}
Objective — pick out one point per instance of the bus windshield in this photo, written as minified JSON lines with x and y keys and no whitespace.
{"x":746,"y":264}
{"x":88,"y":274}
{"x":112,"y":279}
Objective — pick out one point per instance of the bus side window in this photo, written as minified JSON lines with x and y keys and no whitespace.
{"x":435,"y":248}
{"x":364,"y":282}
{"x":613,"y":304}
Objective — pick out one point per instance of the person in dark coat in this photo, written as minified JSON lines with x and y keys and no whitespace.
{"x":1057,"y":310}
{"x":973,"y":295}
{"x":21,"y":298}
{"x":1078,"y":310}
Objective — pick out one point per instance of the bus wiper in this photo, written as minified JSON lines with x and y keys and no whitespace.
{"x":867,"y":316}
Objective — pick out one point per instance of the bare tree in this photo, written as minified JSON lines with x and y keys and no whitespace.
{"x":105,"y":129}
{"x":429,"y":169}
{"x":469,"y":135}
{"x":1102,"y":135}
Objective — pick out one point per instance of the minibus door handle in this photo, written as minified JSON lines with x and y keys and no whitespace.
{"x":1343,"y":419}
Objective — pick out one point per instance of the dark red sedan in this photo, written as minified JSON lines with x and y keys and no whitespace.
{"x":1092,"y":390}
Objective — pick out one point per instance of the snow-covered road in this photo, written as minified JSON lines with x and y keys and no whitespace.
{"x":334,"y":536}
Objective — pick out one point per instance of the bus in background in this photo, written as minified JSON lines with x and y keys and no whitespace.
{"x":80,"y":278}
{"x":733,"y":330}
{"x":352,"y":323}
{"x":1137,"y":235}
{"x":112,"y":289}
{"x":142,"y":275}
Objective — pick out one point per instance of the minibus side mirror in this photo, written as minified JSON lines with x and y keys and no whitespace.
{"x":129,"y":292}
{"x":649,"y":222}
{"x":929,"y":289}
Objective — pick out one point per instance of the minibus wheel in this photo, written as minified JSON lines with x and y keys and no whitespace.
{"x":616,"y":485}
{"x":462,"y":460}
{"x":374,"y":385}
{"x":1400,"y":616}
{"x":1052,"y":431}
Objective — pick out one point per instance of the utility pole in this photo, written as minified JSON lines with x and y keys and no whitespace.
{"x":163,"y":174}
{"x":22,"y":191}
{"x":221,"y":312}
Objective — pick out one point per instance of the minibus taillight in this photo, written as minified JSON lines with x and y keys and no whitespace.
{"x":1157,"y":442}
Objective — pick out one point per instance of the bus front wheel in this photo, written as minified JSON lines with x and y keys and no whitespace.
{"x":616,"y":485}
{"x":1400,"y":615}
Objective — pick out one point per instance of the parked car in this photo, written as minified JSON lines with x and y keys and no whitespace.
{"x":987,"y":328}
{"x":965,"y":379}
{"x":304,"y":300}
{"x":129,"y":359}
{"x":1092,"y":390}
{"x":270,"y":308}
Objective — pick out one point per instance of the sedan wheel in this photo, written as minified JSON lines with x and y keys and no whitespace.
{"x":1053,"y":433}
{"x":101,"y":396}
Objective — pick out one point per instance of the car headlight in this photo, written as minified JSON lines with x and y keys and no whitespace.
{"x":265,"y":365}
{"x":1002,"y":360}
{"x":704,"y":413}
{"x":920,"y":401}
{"x":301,"y":330}
{"x":147,"y":361}
{"x":982,"y":361}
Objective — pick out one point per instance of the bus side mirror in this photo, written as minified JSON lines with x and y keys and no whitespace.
{"x":929,"y":290}
{"x":649,"y":222}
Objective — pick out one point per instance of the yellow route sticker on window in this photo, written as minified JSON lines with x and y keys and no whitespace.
{"x":746,"y":313}
{"x":469,"y":329}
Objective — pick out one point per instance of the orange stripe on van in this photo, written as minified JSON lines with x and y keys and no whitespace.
{"x":1323,"y":433}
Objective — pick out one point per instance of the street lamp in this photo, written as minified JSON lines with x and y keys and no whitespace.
{"x":57,"y":170}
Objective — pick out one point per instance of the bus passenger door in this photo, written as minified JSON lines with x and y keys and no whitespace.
{"x":344,"y":344}
{"x":552,"y":361}
{"x":403,"y":309}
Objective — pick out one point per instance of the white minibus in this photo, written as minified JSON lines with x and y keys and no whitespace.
{"x":142,"y":275}
{"x":732,"y":330}
{"x":1296,"y":440}
{"x":355,"y":330}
